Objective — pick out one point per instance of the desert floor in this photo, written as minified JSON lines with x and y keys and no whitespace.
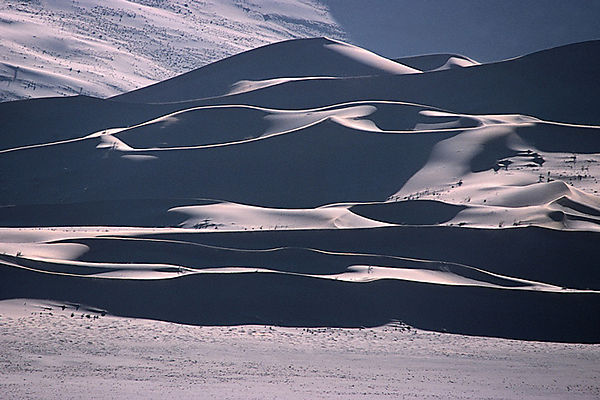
{"x":48,"y":352}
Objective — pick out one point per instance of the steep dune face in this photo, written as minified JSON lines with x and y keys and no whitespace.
{"x":313,"y":172}
{"x":303,"y":159}
{"x":308,"y":58}
{"x":557,"y":84}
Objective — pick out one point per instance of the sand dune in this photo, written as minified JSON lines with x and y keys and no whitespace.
{"x":66,"y":251}
{"x":319,"y":57}
{"x":230,"y":216}
{"x":489,"y":154}
{"x":437,"y":62}
{"x":311,"y":182}
{"x":283,"y":299}
{"x":552,"y":84}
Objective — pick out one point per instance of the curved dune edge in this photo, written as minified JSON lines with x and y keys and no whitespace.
{"x":485,"y":164}
{"x":333,"y":209}
{"x":283,"y":122}
{"x":40,"y":255}
{"x":232,"y":216}
{"x":355,"y":274}
{"x":300,"y":58}
{"x":437,"y":62}
{"x":353,"y":115}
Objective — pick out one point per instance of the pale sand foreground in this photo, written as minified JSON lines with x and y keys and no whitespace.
{"x":46,"y":353}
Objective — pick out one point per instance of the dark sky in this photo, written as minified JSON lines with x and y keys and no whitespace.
{"x":485,"y":30}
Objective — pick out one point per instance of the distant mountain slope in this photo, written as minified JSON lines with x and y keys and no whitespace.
{"x":102,"y":48}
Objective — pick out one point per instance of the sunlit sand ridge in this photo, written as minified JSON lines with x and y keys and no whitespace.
{"x":332,"y":187}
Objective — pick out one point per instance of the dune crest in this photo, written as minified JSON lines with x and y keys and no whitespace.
{"x":311,"y":182}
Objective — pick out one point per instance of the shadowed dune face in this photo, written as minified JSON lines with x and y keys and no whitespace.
{"x":556,"y":84}
{"x":260,"y":158}
{"x":223,"y":299}
{"x":318,"y":57}
{"x":278,"y":171}
{"x":332,"y":187}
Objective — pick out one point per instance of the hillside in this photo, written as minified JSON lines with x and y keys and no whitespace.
{"x":103,"y":48}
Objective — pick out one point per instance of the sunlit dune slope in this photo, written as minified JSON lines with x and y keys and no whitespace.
{"x":312,"y":182}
